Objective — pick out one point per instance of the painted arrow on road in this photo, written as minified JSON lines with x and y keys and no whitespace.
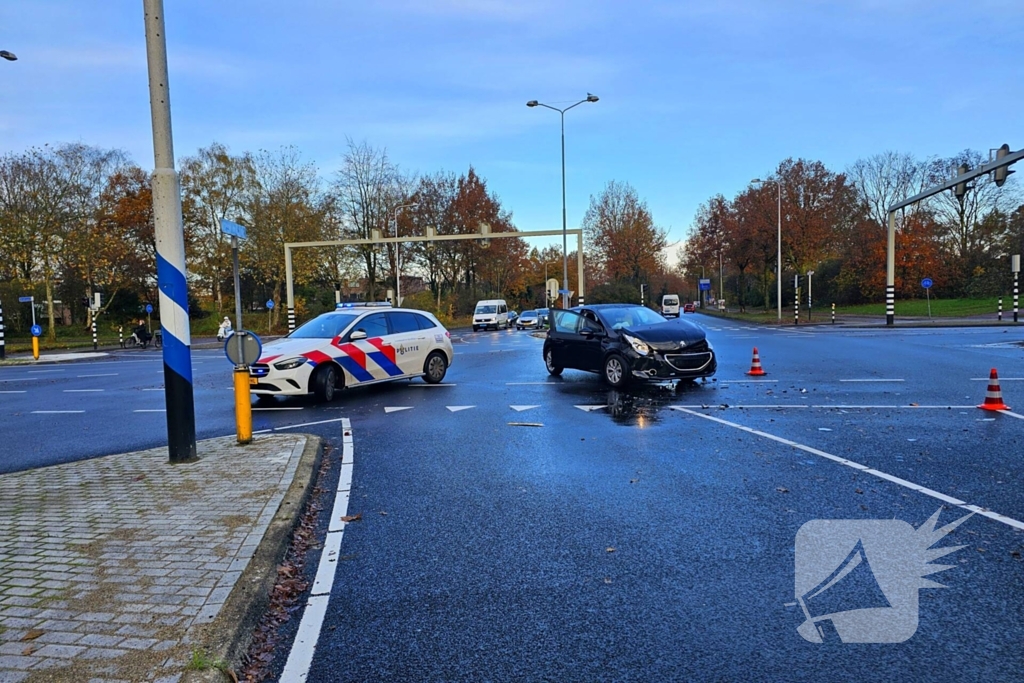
{"x":395,"y":410}
{"x":591,"y":408}
{"x":456,"y":409}
{"x":520,"y":409}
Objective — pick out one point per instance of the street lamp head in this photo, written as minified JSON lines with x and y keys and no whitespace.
{"x":756,"y":181}
{"x":9,"y":56}
{"x":591,"y":98}
{"x":532,"y":103}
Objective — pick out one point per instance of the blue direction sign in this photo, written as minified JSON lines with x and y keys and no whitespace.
{"x":25,"y":299}
{"x":36,"y":330}
{"x":233,"y":229}
{"x":926,"y":283}
{"x":149,"y":308}
{"x":270,"y":304}
{"x":705,"y":285}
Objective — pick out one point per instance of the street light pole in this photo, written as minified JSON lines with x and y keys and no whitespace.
{"x":565,"y":252}
{"x":398,"y":257}
{"x":778,"y":258}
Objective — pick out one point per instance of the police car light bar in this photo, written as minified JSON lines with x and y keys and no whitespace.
{"x":363,"y":304}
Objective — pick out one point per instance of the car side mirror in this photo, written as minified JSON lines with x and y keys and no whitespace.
{"x":357,"y":335}
{"x":590,"y":332}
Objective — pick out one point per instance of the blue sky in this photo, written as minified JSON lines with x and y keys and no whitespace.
{"x":697,"y":98}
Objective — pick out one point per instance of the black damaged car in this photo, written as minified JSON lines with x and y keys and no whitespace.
{"x":626,"y":342}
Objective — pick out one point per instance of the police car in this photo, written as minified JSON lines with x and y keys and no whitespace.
{"x":355,"y":344}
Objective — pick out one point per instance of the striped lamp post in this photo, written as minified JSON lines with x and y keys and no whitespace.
{"x":170,"y":250}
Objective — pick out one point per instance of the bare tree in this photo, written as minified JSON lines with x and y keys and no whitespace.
{"x":367,"y":189}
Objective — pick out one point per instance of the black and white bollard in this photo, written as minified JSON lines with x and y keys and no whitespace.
{"x":291,"y":319}
{"x":1015,"y":290}
{"x":93,"y":332}
{"x":120,"y":336}
{"x":833,"y":314}
{"x":3,"y":350}
{"x":1000,"y":317}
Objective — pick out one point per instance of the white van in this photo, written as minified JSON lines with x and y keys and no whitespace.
{"x":670,"y":305}
{"x":490,"y":313}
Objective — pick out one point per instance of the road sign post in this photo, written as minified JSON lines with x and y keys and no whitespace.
{"x":927,"y":284}
{"x":36,"y":331}
{"x":243,"y":399}
{"x":270,"y":311}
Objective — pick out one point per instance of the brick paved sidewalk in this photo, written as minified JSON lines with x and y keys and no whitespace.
{"x":108,"y":565}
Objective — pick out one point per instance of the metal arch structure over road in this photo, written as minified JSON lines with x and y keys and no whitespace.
{"x":430,"y":237}
{"x":890,"y":262}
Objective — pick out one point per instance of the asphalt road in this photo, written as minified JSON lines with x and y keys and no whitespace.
{"x":648,"y":535}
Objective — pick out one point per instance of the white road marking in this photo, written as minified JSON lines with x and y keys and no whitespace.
{"x":106,"y":374}
{"x":37,"y":371}
{"x":456,"y":409}
{"x":13,"y":392}
{"x":1007,"y":412}
{"x":81,"y":391}
{"x":1001,"y":379}
{"x":868,"y":470}
{"x":590,"y":408}
{"x":525,"y":424}
{"x":872,"y":380}
{"x":289,"y":408}
{"x":304,"y":424}
{"x":441,"y":384}
{"x":55,"y":412}
{"x":396,"y":409}
{"x":829,"y":406}
{"x":156,"y":389}
{"x":301,"y":656}
{"x":520,"y":409}
{"x":155,"y":410}
{"x":523,"y":384}
{"x":21,"y":379}
{"x":710,"y":406}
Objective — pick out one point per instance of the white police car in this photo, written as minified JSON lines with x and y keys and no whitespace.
{"x":355,"y":344}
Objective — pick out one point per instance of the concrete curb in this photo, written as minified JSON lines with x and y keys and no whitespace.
{"x":227,"y":637}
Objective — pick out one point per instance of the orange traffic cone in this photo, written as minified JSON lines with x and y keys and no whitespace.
{"x":755,"y":365}
{"x":994,"y":396}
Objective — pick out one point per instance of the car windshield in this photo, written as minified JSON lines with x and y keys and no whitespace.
{"x":326,"y":326}
{"x":671,"y":302}
{"x":528,"y":314}
{"x":631,"y":316}
{"x":486,"y":309}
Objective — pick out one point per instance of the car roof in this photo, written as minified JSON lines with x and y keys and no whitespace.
{"x":601,"y":307}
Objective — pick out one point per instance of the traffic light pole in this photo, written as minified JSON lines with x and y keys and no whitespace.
{"x":1004,"y":159}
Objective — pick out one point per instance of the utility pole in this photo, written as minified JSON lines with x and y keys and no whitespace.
{"x":170,"y":250}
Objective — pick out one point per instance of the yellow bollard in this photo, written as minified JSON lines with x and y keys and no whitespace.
{"x":243,"y":405}
{"x":35,"y":348}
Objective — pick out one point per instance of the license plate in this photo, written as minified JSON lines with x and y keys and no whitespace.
{"x":254,"y":380}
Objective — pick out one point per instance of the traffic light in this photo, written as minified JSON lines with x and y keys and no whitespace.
{"x":961,"y":188}
{"x":1000,"y":174}
{"x":485,"y":229}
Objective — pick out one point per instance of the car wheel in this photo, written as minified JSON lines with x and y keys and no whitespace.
{"x":326,"y":383}
{"x":549,"y":363}
{"x":616,"y":371}
{"x":435,"y":368}
{"x":475,"y":328}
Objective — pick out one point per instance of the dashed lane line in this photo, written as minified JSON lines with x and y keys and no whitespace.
{"x":279,"y":408}
{"x":22,"y":391}
{"x":872,"y":380}
{"x":300,"y":659}
{"x":154,"y":410}
{"x":41,"y":371}
{"x":105,"y":374}
{"x":56,"y":412}
{"x":824,"y":406}
{"x":82,"y":391}
{"x":1009,"y":521}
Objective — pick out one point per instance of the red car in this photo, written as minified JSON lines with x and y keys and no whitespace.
{"x":688,"y":308}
